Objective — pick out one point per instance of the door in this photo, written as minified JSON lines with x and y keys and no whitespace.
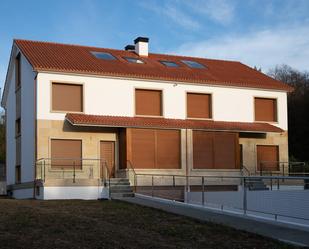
{"x":107,"y":154}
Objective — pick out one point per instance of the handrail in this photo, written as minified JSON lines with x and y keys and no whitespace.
{"x":233,"y":177}
{"x":134,"y":173}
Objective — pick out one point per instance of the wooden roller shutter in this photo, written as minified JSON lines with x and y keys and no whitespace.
{"x":148,"y":102}
{"x":68,"y":149}
{"x":168,"y":149}
{"x":198,"y":105}
{"x":67,"y":97}
{"x":143,"y":148}
{"x":265,"y":109}
{"x":203,"y":150}
{"x":225,"y":150}
{"x":268,"y":157}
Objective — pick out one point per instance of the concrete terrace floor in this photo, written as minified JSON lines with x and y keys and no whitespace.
{"x":112,"y":224}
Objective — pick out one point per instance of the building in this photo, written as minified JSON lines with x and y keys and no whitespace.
{"x":76,"y":115}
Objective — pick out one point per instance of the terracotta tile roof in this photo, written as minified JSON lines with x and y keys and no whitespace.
{"x":47,"y":56}
{"x":164,"y":123}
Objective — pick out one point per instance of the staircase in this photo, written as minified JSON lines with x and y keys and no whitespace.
{"x":120,"y":188}
{"x":256,"y":184}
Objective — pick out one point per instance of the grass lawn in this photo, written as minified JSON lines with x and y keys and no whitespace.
{"x":112,"y":224}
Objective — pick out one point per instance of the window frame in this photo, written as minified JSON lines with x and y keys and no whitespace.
{"x":165,"y":61}
{"x":201,"y":66}
{"x":276,"y":111}
{"x":18,"y":127}
{"x":66,"y":83}
{"x":95,"y":53}
{"x":210,"y":106}
{"x":18,"y":174}
{"x":17,"y":62}
{"x":149,"y":89}
{"x":127,"y":59}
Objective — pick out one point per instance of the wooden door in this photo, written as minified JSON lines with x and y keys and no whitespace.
{"x":107,"y":154}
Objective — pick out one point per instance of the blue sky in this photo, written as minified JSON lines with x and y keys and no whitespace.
{"x":257,"y":32}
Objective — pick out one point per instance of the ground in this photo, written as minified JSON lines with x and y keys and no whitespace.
{"x":112,"y":224}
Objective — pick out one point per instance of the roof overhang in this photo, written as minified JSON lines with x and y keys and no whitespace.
{"x":86,"y":120}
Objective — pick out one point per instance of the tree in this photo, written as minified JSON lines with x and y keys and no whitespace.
{"x":298,"y":109}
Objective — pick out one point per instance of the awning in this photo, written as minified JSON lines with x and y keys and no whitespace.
{"x":165,"y":123}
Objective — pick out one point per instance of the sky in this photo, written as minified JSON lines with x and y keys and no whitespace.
{"x":262,"y":33}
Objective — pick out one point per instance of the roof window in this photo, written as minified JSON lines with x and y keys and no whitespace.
{"x":134,"y":60}
{"x":193,"y":64}
{"x":169,"y":63}
{"x":104,"y":55}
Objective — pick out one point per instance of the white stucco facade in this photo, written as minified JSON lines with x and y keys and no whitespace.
{"x":112,"y":96}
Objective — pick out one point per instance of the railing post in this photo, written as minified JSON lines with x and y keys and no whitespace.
{"x":203,"y":190}
{"x":44,"y":166}
{"x":152,"y":185}
{"x":271,"y":180}
{"x":73,"y":171}
{"x":283,"y":171}
{"x":174,"y":181}
{"x":278,"y":183}
{"x":245,"y":197}
{"x":41,"y":171}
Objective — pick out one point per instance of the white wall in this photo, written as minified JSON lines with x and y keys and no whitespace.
{"x":10,"y":130}
{"x":105,"y":96}
{"x":27,"y":121}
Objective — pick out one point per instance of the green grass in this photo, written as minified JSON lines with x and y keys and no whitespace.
{"x":112,"y":224}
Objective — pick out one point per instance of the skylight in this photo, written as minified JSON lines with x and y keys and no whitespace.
{"x":134,"y":60}
{"x":103,"y":55}
{"x":193,"y":64}
{"x":169,"y":63}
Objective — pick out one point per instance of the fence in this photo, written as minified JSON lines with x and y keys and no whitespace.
{"x":73,"y":169}
{"x":273,"y":197}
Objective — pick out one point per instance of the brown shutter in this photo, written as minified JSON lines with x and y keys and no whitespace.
{"x":67,"y":97}
{"x":217,"y":150}
{"x":66,"y":149}
{"x":152,"y":149}
{"x":168,"y":149}
{"x":122,"y":148}
{"x":225,"y":150}
{"x":203,"y":150}
{"x":148,"y":102}
{"x":268,"y":157}
{"x":265,"y":109}
{"x":198,"y":105}
{"x":143,"y":148}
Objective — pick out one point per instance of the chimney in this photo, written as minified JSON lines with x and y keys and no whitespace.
{"x":129,"y":48}
{"x":141,"y":46}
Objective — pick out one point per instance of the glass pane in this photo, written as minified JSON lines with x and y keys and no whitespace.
{"x":134,"y":60}
{"x":103,"y":55}
{"x":193,"y":64}
{"x":169,"y":63}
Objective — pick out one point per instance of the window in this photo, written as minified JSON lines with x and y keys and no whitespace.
{"x":152,"y":149}
{"x":267,"y":157}
{"x":17,"y":174}
{"x":198,"y":105}
{"x":134,"y":60}
{"x":66,"y":153}
{"x":148,"y":102}
{"x":215,"y":150}
{"x":193,"y":64}
{"x":265,"y":109}
{"x":104,"y":56}
{"x":17,"y":127}
{"x":169,"y":63}
{"x":17,"y":71}
{"x":67,"y":97}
